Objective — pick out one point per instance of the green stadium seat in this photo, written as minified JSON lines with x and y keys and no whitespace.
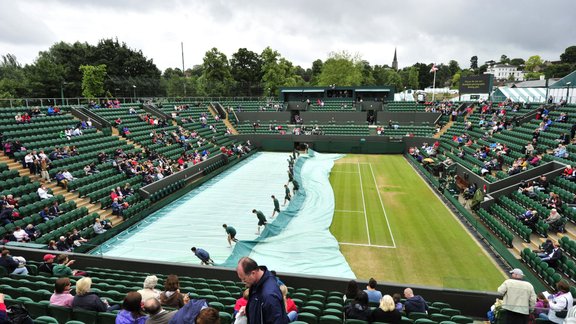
{"x":355,"y":321}
{"x":87,"y":317}
{"x":424,"y":321}
{"x":62,"y":314}
{"x":330,"y":319}
{"x":449,"y":311}
{"x":106,"y":318}
{"x":307,"y":318}
{"x":461,"y":319}
{"x":46,"y":319}
{"x":226,"y":318}
{"x":417,"y":315}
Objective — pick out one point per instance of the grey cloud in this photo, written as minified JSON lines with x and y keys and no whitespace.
{"x":20,"y":27}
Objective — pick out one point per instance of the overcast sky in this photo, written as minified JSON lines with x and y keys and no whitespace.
{"x":301,"y":30}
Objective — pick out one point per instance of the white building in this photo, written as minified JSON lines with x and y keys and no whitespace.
{"x":505,"y":72}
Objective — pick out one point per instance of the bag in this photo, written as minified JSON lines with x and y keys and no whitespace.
{"x":18,"y":314}
{"x":564,"y":312}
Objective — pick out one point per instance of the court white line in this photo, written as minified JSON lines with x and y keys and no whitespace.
{"x":382,"y":204}
{"x":343,"y":172}
{"x":364,"y":203}
{"x":348,"y":211}
{"x":368,"y":245}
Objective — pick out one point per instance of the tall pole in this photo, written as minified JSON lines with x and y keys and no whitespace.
{"x":183,"y":71}
{"x":434,"y":85}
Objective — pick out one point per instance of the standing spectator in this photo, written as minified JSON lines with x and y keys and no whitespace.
{"x":171,"y":295}
{"x":203,"y":255}
{"x":386,"y":312}
{"x":374,"y":295}
{"x":414,"y":303}
{"x":149,"y":290}
{"x":62,"y":296}
{"x":131,"y":312}
{"x":265,"y":302}
{"x":519,"y":298}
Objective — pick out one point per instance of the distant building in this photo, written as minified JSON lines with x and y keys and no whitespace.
{"x":505,"y":72}
{"x":395,"y":61}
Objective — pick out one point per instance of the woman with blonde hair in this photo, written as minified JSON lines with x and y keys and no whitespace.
{"x":289,"y":304}
{"x":386,"y":312}
{"x":87,"y":300}
{"x":149,"y":290}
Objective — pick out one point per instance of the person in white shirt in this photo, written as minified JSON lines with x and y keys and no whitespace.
{"x":76,"y":132}
{"x":43,"y":192}
{"x":98,"y":227}
{"x":21,"y":235}
{"x":68,"y":176}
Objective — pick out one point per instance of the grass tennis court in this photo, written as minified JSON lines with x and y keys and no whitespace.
{"x":391,"y":226}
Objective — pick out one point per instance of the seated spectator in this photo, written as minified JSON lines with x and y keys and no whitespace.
{"x":149,"y":290}
{"x":21,"y":235}
{"x":289,"y":304}
{"x":558,"y":302}
{"x":48,"y":264}
{"x":131,"y":312}
{"x":374,"y":295}
{"x":351,"y":291}
{"x":100,"y":227}
{"x":55,"y":210}
{"x":61,"y":296}
{"x":189,"y":312}
{"x":552,"y":257}
{"x":208,"y":315}
{"x":171,"y":296}
{"x":32,"y":231}
{"x":52,"y":245}
{"x":386,"y":312}
{"x":43,"y":192}
{"x":75,"y":238}
{"x":553,"y":217}
{"x":62,"y":245}
{"x":87,"y":300}
{"x":13,"y":265}
{"x":358,"y":308}
{"x":117,"y":208}
{"x":45,"y":214}
{"x":60,"y":180}
{"x":157,"y":315}
{"x":414,"y":303}
{"x":398,"y":301}
{"x":62,"y":269}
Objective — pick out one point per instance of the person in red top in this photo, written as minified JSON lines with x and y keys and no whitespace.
{"x":113,"y":195}
{"x":241,"y":302}
{"x":291,"y":308}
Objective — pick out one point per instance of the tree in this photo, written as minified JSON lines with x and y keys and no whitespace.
{"x":504,"y":59}
{"x":413,"y":77}
{"x":317,"y":66}
{"x":217,"y":76}
{"x":93,"y":80}
{"x":557,"y":70}
{"x":569,"y":55}
{"x":517,"y":62}
{"x":277,"y":72}
{"x":13,"y":81}
{"x":342,"y":69}
{"x":453,"y":66}
{"x":367,"y":74}
{"x":474,"y":62}
{"x":533,"y":63}
{"x":246,"y":69}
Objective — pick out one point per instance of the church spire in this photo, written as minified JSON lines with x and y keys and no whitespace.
{"x":395,"y":61}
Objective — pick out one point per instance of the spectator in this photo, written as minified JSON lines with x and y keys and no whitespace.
{"x":157,"y":315}
{"x":75,"y":238}
{"x":32,"y":232}
{"x":61,"y":296}
{"x":414,"y":303}
{"x":358,"y":308}
{"x":13,"y":265}
{"x":241,"y":302}
{"x":62,"y":245}
{"x":131,"y":312}
{"x":265,"y":302}
{"x":117,"y":208}
{"x":171,"y":296}
{"x":21,"y":235}
{"x":189,"y":312}
{"x":559,"y":303}
{"x":374,"y":295}
{"x":45,"y":214}
{"x":98,"y":227}
{"x":149,"y":290}
{"x":351,"y":290}
{"x":398,"y":301}
{"x":43,"y":192}
{"x":291,"y":308}
{"x":48,"y":265}
{"x":87,"y":300}
{"x":62,"y":269}
{"x":208,"y":315}
{"x":519,"y":298}
{"x":386,"y":312}
{"x":552,"y":257}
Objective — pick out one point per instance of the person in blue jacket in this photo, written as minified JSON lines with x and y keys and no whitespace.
{"x":202,"y":255}
{"x":265,"y":301}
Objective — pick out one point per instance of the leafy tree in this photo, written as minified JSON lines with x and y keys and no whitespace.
{"x":557,"y":70}
{"x":13,"y":81}
{"x":425,"y":78}
{"x":217,"y":75}
{"x":504,"y":59}
{"x":453,"y":66}
{"x":246,"y":69}
{"x":534,"y":62}
{"x":277,"y":72}
{"x":530,"y":76}
{"x":517,"y":62}
{"x":342,"y":69}
{"x":93,"y":80}
{"x":569,"y":55}
{"x":474,"y":62}
{"x":45,"y":76}
{"x":317,"y":66}
{"x":413,"y":77}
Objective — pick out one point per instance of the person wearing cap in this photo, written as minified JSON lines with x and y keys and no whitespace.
{"x":519,"y":298}
{"x":48,"y":265}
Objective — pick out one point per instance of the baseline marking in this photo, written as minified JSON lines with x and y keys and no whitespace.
{"x":343,"y":172}
{"x":382,"y":204}
{"x":364,"y":203}
{"x":368,"y":245}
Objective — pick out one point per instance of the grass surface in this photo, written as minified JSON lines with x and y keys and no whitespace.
{"x":392,"y":227}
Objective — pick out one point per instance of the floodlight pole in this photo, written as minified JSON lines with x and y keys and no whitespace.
{"x":568,"y":92}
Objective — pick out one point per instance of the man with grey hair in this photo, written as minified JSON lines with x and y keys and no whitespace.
{"x":519,"y":298}
{"x":149,"y":288}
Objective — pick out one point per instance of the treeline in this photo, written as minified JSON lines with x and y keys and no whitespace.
{"x":57,"y":72}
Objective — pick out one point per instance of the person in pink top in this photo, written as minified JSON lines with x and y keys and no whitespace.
{"x":62,"y":296}
{"x":241,"y":302}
